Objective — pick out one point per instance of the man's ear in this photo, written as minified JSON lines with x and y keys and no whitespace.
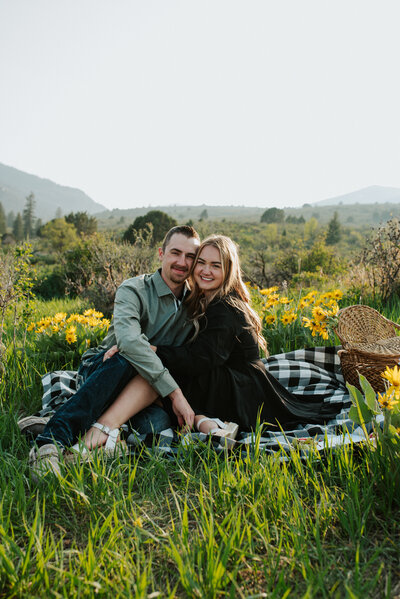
{"x":160,"y":254}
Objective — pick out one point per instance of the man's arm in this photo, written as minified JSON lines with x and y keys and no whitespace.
{"x":133,"y":343}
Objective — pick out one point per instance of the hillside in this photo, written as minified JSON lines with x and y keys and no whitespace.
{"x":375,"y":194}
{"x":16,"y":185}
{"x":355,"y":216}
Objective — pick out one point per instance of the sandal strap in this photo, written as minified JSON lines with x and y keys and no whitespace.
{"x":113,"y":432}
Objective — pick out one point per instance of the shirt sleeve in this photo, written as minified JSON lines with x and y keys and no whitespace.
{"x":210,"y":349}
{"x":133,"y":343}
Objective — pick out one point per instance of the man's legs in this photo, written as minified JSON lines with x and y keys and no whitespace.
{"x":153,"y":419}
{"x":100,"y":389}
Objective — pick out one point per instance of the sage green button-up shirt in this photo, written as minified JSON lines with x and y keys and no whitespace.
{"x":146,"y":312}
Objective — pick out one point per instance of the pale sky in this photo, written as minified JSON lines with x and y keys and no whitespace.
{"x":243,"y":102}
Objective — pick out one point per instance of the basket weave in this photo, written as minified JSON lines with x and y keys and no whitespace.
{"x":369,"y":344}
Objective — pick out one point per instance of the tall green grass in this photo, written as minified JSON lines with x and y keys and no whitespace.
{"x":201,"y":525}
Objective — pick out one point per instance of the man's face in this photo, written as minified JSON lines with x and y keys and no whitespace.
{"x":177,"y":259}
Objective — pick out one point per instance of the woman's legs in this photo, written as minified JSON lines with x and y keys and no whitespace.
{"x":136,"y":396}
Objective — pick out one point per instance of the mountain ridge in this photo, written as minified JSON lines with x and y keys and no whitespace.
{"x":373,"y":194}
{"x":16,"y":185}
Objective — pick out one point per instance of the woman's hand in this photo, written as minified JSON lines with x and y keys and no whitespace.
{"x":182,"y":409}
{"x":110,"y":352}
{"x":153,"y":347}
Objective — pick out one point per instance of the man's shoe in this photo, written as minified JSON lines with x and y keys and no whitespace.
{"x":44,"y":460}
{"x":32,"y":426}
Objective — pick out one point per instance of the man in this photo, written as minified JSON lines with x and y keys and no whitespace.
{"x":148,"y":311}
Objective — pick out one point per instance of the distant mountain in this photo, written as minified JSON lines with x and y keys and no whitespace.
{"x":16,"y":185}
{"x":368,"y":195}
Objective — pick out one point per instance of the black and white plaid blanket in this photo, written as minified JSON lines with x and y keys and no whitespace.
{"x":308,"y":372}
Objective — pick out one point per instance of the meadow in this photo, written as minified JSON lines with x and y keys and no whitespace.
{"x":239,"y":525}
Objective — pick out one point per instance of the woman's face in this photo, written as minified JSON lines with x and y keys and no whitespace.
{"x":208,"y":270}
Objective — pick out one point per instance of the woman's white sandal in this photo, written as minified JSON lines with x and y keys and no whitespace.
{"x":112,"y":446}
{"x":229,"y":430}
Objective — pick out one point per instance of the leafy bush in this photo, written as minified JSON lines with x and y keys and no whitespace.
{"x":381,"y":256}
{"x":17,"y":277}
{"x":160,"y":223}
{"x":97,"y":266}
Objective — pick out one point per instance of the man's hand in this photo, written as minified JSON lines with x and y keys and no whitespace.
{"x":110,"y":352}
{"x":182,"y":409}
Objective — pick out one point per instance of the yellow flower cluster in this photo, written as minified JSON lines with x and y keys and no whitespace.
{"x":319,"y":308}
{"x":66,"y":326}
{"x":392,"y":377}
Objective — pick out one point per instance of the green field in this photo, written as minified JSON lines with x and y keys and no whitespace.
{"x":201,"y":525}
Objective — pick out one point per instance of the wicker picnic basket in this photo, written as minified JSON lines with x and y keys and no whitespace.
{"x":369,"y":344}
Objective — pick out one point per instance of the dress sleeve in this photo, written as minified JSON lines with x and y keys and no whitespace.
{"x":210,"y":349}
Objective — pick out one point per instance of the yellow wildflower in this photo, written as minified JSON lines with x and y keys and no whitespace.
{"x":31,"y":326}
{"x":315,"y":327}
{"x":284,"y":300}
{"x":270,"y":319}
{"x":269,"y":290}
{"x":387,"y":401}
{"x":304,"y":303}
{"x":311,"y":296}
{"x":311,"y":324}
{"x":393,"y":376}
{"x":323,"y":332}
{"x":70,"y":334}
{"x":41,"y":329}
{"x":288,"y":317}
{"x":334,"y":310}
{"x":337,"y":294}
{"x":105,"y":323}
{"x":59,"y":316}
{"x":55,"y":328}
{"x":92,"y":321}
{"x":319,"y":314}
{"x":73,"y":318}
{"x":325,"y":296}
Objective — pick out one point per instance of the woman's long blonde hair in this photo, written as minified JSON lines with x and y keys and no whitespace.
{"x":233,"y":289}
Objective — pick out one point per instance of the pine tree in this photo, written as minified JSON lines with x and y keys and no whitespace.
{"x":3,"y":224}
{"x":28,"y":216}
{"x":18,"y":228}
{"x":334,"y":230}
{"x":10,"y":219}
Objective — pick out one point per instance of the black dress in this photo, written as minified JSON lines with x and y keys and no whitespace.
{"x":221,"y":375}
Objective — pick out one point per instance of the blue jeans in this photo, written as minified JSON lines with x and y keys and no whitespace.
{"x":103,"y":382}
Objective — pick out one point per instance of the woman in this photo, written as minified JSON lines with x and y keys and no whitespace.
{"x":219,"y":369}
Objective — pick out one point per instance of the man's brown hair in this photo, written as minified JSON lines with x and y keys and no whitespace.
{"x":186,"y":230}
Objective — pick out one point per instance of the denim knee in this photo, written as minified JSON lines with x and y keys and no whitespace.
{"x":152,"y":419}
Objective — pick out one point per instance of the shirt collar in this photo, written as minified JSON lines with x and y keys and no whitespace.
{"x":163,"y":289}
